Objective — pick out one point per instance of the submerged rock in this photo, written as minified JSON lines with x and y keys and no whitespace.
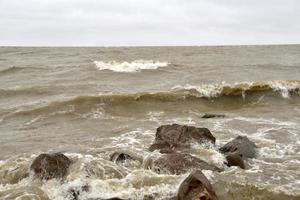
{"x":209,"y":115}
{"x":177,"y":137}
{"x":120,"y":157}
{"x":196,"y":187}
{"x":47,"y":166}
{"x":179,"y":163}
{"x":237,"y":150}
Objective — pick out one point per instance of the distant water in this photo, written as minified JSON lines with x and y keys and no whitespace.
{"x":90,"y":102}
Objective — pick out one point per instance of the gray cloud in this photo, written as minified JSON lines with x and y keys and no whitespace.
{"x":148,"y":22}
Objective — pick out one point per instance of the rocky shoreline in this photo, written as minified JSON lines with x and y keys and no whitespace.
{"x":174,"y":142}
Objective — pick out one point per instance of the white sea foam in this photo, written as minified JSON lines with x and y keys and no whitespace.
{"x":134,"y":66}
{"x":135,"y":185}
{"x":284,"y":87}
{"x":155,"y":116}
{"x":277,"y":151}
{"x":182,"y":120}
{"x":270,"y":121}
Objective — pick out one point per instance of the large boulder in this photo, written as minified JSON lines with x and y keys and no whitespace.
{"x":179,"y":163}
{"x":174,"y":137}
{"x":196,"y":187}
{"x":237,"y":150}
{"x":47,"y":166}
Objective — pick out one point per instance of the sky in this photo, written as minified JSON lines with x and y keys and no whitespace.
{"x":148,"y":22}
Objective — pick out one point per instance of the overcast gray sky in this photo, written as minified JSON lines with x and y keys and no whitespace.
{"x":148,"y":22}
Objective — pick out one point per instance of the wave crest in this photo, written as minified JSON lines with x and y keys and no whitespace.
{"x":200,"y":94}
{"x":134,"y":66}
{"x":285,"y":88}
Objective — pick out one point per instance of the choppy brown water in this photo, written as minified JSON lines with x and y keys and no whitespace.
{"x":89,"y":102}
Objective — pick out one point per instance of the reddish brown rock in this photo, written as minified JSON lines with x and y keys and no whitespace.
{"x":174,"y":137}
{"x":196,"y":187}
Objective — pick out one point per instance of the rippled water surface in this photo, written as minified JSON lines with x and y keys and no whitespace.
{"x":90,"y":102}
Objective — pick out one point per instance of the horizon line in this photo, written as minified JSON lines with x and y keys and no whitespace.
{"x":141,"y":46}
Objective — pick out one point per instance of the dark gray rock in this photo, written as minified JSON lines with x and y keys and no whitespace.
{"x":47,"y":166}
{"x":210,"y":115}
{"x":175,"y":137}
{"x":246,"y":148}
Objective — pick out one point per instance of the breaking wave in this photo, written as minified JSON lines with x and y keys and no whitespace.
{"x":215,"y":94}
{"x":285,"y":88}
{"x":134,"y":66}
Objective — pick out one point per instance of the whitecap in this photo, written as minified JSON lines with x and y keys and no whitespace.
{"x":134,"y":66}
{"x":284,"y":87}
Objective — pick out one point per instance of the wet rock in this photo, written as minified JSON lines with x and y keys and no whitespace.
{"x":120,"y":157}
{"x":47,"y":166}
{"x":196,"y":186}
{"x":235,"y":159}
{"x":177,"y":137}
{"x":243,"y":145}
{"x":179,"y":163}
{"x":164,"y":147}
{"x":210,"y":115}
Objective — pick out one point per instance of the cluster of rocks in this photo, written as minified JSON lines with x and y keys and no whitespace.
{"x":173,"y":142}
